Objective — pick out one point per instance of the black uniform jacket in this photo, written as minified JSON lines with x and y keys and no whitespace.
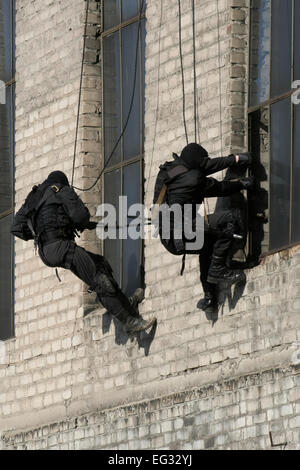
{"x":60,"y":209}
{"x":194,"y":185}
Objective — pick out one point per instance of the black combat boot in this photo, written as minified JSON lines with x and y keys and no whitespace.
{"x":134,"y":325}
{"x":136,"y":299}
{"x":218,"y":272}
{"x":209,"y":301}
{"x":120,"y":308}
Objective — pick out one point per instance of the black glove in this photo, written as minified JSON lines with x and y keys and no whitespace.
{"x":245,"y":159}
{"x":91,"y":225}
{"x":248,"y":183}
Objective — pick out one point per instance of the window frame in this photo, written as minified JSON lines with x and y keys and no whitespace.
{"x":267,"y":104}
{"x":10,"y":84}
{"x":124,"y":162}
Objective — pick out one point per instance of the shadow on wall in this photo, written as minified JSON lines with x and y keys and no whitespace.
{"x":226,"y":292}
{"x":144,"y":340}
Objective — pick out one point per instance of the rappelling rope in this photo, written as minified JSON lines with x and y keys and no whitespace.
{"x":130,"y":107}
{"x":80,"y":87}
{"x":194,"y":70}
{"x":134,"y":86}
{"x":182,"y":71}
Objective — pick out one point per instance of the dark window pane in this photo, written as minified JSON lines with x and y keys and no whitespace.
{"x":280,"y":156}
{"x":258,"y":199}
{"x":112,"y":13}
{"x":13,"y":38}
{"x":260,"y":51}
{"x":129,"y":9}
{"x":6,"y":149}
{"x":112,"y":188}
{"x":281,"y":46}
{"x":143,"y":33}
{"x":296,"y":178}
{"x":132,"y":133}
{"x":6,"y":289}
{"x":112,"y":248}
{"x":112,"y":97}
{"x":297,"y":41}
{"x":132,"y":248}
{"x":132,"y":183}
{"x":131,"y":265}
{"x":6,"y":65}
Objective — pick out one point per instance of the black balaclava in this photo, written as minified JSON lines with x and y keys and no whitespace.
{"x":194,"y":156}
{"x":57,"y":177}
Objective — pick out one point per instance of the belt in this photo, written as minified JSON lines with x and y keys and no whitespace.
{"x":50,"y":237}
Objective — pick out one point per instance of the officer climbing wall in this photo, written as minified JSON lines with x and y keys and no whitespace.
{"x":51,"y":215}
{"x":185,"y":181}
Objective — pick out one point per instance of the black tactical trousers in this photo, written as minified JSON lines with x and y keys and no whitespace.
{"x":92,"y":269}
{"x":218,"y":241}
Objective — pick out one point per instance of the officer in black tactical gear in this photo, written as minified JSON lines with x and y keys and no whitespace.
{"x":186,"y":181}
{"x":51,"y":215}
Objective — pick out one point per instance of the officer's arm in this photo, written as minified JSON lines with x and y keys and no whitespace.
{"x":213,"y":165}
{"x":19,"y":227}
{"x":74,"y":207}
{"x":215,"y":188}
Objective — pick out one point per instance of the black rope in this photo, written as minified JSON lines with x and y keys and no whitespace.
{"x":80,"y":88}
{"x":194,"y":66}
{"x":182,"y":72}
{"x":130,"y":107}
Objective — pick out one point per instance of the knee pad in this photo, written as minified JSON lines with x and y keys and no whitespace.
{"x":105,"y":285}
{"x":234,"y":222}
{"x":238,"y":220}
{"x":103,"y":266}
{"x":229,"y":229}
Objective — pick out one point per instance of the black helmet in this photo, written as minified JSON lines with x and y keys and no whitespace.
{"x":57,"y":177}
{"x":194,"y":155}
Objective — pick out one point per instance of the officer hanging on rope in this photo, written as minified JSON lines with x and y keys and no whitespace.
{"x":51,"y":216}
{"x":185,"y":181}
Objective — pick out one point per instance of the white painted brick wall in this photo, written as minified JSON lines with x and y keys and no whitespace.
{"x":61,"y":363}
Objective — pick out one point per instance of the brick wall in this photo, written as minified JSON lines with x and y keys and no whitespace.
{"x":233,"y":415}
{"x":69,"y":381}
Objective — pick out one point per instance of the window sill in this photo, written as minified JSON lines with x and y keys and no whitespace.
{"x":8,"y":340}
{"x":279,"y":250}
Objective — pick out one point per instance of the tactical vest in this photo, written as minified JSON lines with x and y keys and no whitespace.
{"x":45,"y":214}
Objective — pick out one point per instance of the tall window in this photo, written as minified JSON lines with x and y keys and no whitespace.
{"x":124,"y":171}
{"x":7,"y":74}
{"x":274,"y":119}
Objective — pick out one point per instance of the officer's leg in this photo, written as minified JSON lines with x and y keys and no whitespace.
{"x":54,"y":254}
{"x":226,"y":223}
{"x":97,"y":273}
{"x":137,"y":297}
{"x":210,"y":290}
{"x":116,"y":302}
{"x":133,"y":301}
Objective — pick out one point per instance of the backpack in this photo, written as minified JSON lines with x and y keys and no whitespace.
{"x":167,"y":173}
{"x":23,"y":226}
